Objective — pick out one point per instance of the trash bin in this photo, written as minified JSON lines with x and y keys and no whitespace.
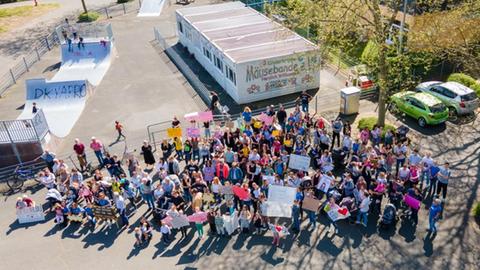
{"x":349,"y":100}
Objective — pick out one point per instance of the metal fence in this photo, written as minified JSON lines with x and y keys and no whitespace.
{"x":24,"y":130}
{"x":47,"y":43}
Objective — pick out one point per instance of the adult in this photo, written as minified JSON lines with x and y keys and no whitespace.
{"x":442,"y":179}
{"x":147,"y":154}
{"x":281,"y":116}
{"x":79,"y":149}
{"x":48,"y":157}
{"x":119,"y":129}
{"x":304,"y":100}
{"x":434,"y":215}
{"x":337,"y":127}
{"x":97,"y":147}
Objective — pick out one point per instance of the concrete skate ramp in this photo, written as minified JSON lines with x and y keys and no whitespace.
{"x":151,"y":8}
{"x":61,"y":102}
{"x":90,"y":63}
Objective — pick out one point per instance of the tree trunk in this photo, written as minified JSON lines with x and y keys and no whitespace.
{"x":84,"y":6}
{"x":382,"y":75}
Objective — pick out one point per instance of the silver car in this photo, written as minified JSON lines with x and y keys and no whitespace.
{"x":457,"y":97}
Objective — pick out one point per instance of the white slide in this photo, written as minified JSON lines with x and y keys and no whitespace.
{"x":61,"y":102}
{"x":151,"y":8}
{"x":90,"y":63}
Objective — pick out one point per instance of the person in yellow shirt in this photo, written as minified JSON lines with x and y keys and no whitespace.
{"x":178,"y":147}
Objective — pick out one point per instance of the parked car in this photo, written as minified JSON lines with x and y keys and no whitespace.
{"x":457,"y":97}
{"x":423,"y":107}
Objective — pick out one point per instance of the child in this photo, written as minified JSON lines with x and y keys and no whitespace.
{"x":219,"y":223}
{"x":211,"y":221}
{"x":277,"y":231}
{"x":165,"y":230}
{"x":257,"y":222}
{"x":138,"y":236}
{"x":58,"y":214}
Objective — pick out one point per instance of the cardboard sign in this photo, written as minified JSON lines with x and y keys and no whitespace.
{"x":30,"y":214}
{"x":241,"y":193}
{"x":105,"y":212}
{"x":191,"y":116}
{"x":268,"y":120}
{"x":199,"y":217}
{"x":174,"y":132}
{"x":336,"y":213}
{"x":226,"y":190}
{"x":75,"y":218}
{"x":276,"y":133}
{"x":193,"y":132}
{"x":311,"y":204}
{"x":281,"y":194}
{"x":276,"y":209}
{"x":297,"y":162}
{"x":324,"y":183}
{"x":205,"y":116}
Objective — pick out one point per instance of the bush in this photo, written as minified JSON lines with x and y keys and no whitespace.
{"x":476,"y":210}
{"x":465,"y":80}
{"x":370,"y":122}
{"x":370,"y":53}
{"x":88,"y":17}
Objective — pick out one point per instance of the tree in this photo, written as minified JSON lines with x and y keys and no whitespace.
{"x":85,"y":10}
{"x":453,"y":34}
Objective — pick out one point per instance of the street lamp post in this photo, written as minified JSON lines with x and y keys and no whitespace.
{"x":402,"y":28}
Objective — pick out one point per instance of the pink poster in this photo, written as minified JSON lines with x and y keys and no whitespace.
{"x":268,"y":120}
{"x":193,"y":132}
{"x":191,"y":116}
{"x":205,"y":116}
{"x":198,"y":217}
{"x":412,"y":202}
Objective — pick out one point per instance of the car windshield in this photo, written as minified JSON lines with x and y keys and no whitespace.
{"x":438,"y":108}
{"x":469,"y":97}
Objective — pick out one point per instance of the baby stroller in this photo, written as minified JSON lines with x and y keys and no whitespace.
{"x":389,"y":216}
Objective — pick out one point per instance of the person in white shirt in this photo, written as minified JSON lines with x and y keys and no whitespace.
{"x":47,"y":179}
{"x":165,"y":230}
{"x":404,"y":173}
{"x":347,"y":143}
{"x":414,"y":159}
{"x":363,"y":210}
{"x":426,"y":164}
{"x":254,"y":156}
{"x":120,"y":205}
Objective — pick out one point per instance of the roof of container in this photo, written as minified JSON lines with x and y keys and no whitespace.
{"x":242,"y":33}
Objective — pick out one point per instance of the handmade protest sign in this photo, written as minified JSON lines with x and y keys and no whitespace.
{"x":268,"y":120}
{"x":276,"y":133}
{"x":205,"y":116}
{"x":281,"y":194}
{"x":105,"y":212}
{"x":324,"y":183}
{"x":30,"y":214}
{"x":176,"y":221}
{"x":412,"y":202}
{"x":269,"y":178}
{"x":198,"y":217}
{"x":276,"y":209}
{"x":311,"y":204}
{"x":241,"y":193}
{"x":230,"y":223}
{"x":174,"y":132}
{"x":336,"y":213}
{"x":193,"y":132}
{"x":191,"y":116}
{"x":297,"y":162}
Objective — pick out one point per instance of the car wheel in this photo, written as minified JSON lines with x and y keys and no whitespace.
{"x":452,"y":113}
{"x":422,"y":122}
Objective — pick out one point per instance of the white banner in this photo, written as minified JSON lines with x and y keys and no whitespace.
{"x":30,"y":214}
{"x":281,"y":194}
{"x":180,"y":221}
{"x":297,"y":162}
{"x":276,"y":209}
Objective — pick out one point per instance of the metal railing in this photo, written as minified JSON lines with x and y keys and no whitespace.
{"x":47,"y":43}
{"x":24,"y":130}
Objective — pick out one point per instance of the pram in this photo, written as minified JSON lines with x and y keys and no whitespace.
{"x":389,"y":216}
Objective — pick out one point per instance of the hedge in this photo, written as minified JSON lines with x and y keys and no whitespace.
{"x":476,"y":210}
{"x":370,"y":122}
{"x":465,"y":80}
{"x":370,"y":52}
{"x":88,"y":17}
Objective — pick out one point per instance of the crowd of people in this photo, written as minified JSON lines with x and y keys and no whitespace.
{"x":190,"y":179}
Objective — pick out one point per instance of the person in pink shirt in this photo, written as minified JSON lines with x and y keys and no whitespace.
{"x":96,"y":146}
{"x":365,"y":135}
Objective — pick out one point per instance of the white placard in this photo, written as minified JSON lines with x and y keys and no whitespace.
{"x":269,"y":178}
{"x":276,"y":209}
{"x":281,"y":194}
{"x":324,"y":183}
{"x":30,"y":214}
{"x":297,"y":162}
{"x":180,"y":221}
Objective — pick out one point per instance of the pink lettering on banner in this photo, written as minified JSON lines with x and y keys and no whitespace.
{"x":205,"y":116}
{"x":193,"y":132}
{"x":198,"y":217}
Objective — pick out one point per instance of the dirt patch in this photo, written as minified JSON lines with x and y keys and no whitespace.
{"x":11,"y":18}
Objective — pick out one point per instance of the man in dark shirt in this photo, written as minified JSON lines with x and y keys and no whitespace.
{"x":191,"y":167}
{"x":281,"y":116}
{"x":177,"y":200}
{"x":214,"y":100}
{"x":34,"y":108}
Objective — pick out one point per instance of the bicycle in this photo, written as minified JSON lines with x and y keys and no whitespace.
{"x":16,"y":181}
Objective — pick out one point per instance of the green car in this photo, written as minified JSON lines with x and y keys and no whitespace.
{"x":425,"y":108}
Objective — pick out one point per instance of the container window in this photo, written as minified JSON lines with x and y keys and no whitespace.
{"x":218,"y":63}
{"x":180,"y":27}
{"x":231,"y":76}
